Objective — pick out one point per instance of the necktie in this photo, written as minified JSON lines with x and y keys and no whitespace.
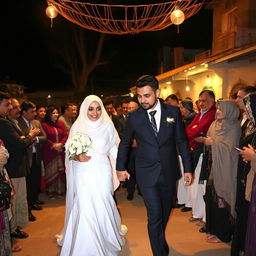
{"x":153,"y":121}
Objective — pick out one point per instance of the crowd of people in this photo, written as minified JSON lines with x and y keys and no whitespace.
{"x":221,"y":137}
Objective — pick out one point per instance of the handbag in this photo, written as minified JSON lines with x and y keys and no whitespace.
{"x":5,"y":193}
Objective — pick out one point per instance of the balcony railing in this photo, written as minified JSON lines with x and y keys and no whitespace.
{"x":242,"y":37}
{"x":203,"y":55}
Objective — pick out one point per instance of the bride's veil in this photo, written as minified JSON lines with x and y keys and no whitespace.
{"x":84,"y":125}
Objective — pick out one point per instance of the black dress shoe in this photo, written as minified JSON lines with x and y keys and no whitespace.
{"x":19,"y":234}
{"x":186,"y":209}
{"x":31,"y":217}
{"x":129,"y":197}
{"x":39,"y":201}
{"x":166,"y":248}
{"x":203,"y":230}
{"x":36,"y":207}
{"x":178,"y":205}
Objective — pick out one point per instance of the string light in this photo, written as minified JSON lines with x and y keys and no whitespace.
{"x":126,"y":19}
{"x":51,"y":12}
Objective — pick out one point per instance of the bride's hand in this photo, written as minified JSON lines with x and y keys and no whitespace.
{"x":123,"y":175}
{"x":82,"y":158}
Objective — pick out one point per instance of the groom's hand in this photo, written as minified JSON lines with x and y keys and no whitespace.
{"x":123,"y":175}
{"x":188,"y":178}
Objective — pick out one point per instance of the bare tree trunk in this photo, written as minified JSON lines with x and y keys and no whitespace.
{"x":77,"y":61}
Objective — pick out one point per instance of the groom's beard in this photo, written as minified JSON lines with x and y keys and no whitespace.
{"x":147,"y":106}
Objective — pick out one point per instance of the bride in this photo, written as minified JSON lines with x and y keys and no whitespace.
{"x":92,"y":222}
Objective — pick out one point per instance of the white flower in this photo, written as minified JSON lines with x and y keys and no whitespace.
{"x":78,"y":144}
{"x":170,"y":120}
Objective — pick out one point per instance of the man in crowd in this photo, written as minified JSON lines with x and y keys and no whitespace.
{"x":195,"y":131}
{"x":17,"y":166}
{"x":68,"y":113}
{"x":130,"y":184}
{"x":122,"y":119}
{"x":27,"y":121}
{"x":109,"y":106}
{"x":172,"y":100}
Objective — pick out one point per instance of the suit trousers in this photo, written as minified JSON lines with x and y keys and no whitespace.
{"x":130,"y":184}
{"x":34,"y":179}
{"x":19,"y":204}
{"x":159,"y":201}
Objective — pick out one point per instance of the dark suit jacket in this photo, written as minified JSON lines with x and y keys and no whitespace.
{"x":120,"y":125}
{"x":114,"y":119}
{"x":41,"y":137}
{"x":17,"y":165}
{"x":155,"y":155}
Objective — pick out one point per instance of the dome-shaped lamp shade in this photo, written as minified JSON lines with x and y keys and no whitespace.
{"x":51,"y":12}
{"x":177,"y":17}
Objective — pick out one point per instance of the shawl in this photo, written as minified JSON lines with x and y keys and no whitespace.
{"x":225,"y":134}
{"x":250,"y":105}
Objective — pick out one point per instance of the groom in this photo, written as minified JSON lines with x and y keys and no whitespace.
{"x":159,"y":131}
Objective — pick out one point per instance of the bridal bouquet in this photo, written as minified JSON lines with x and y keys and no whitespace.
{"x":78,"y":144}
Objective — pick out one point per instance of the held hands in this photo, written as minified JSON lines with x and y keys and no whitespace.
{"x":33,"y":132}
{"x":187,"y":178}
{"x":123,"y":175}
{"x":199,"y":139}
{"x":206,"y":140}
{"x":248,"y":153}
{"x":82,"y":158}
{"x":58,"y":147}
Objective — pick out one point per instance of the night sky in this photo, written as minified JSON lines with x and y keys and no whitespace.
{"x":27,"y":48}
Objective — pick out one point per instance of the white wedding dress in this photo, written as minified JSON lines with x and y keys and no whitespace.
{"x":93,"y":225}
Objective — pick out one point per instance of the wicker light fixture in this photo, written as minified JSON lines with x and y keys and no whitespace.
{"x":126,"y":19}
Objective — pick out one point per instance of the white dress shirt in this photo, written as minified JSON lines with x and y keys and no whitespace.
{"x":29,"y":125}
{"x":157,"y":114}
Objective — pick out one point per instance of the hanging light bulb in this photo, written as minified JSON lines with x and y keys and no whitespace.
{"x":177,"y":16}
{"x":51,"y":12}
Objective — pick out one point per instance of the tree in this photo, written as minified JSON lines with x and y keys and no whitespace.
{"x":80,"y":56}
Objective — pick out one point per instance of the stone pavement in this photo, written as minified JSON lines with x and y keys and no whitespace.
{"x":183,"y":236}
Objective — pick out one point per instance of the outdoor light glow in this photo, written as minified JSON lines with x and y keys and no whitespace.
{"x":208,"y":80}
{"x":177,"y":17}
{"x":49,"y":96}
{"x":51,"y":12}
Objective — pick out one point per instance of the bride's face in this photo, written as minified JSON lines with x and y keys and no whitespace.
{"x":94,"y":111}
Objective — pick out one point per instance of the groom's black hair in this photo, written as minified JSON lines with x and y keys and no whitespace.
{"x":147,"y":80}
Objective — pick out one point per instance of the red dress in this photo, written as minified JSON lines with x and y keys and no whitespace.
{"x":54,"y":160}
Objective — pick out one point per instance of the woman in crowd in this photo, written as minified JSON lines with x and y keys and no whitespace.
{"x":91,"y":211}
{"x":187,"y":112}
{"x":5,"y":239}
{"x":223,"y":136}
{"x":249,"y":154}
{"x":242,"y":205}
{"x":40,"y":113}
{"x":6,"y":245}
{"x":53,"y":153}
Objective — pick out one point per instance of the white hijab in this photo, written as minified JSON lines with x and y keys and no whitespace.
{"x":93,"y":129}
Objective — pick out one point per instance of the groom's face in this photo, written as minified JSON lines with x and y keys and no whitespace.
{"x":147,"y":97}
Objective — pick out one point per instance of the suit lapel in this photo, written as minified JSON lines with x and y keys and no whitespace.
{"x":163,"y":126}
{"x":23,"y":126}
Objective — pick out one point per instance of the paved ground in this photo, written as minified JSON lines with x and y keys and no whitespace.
{"x":183,"y":237}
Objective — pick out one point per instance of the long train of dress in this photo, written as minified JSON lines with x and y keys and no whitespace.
{"x":94,"y":225}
